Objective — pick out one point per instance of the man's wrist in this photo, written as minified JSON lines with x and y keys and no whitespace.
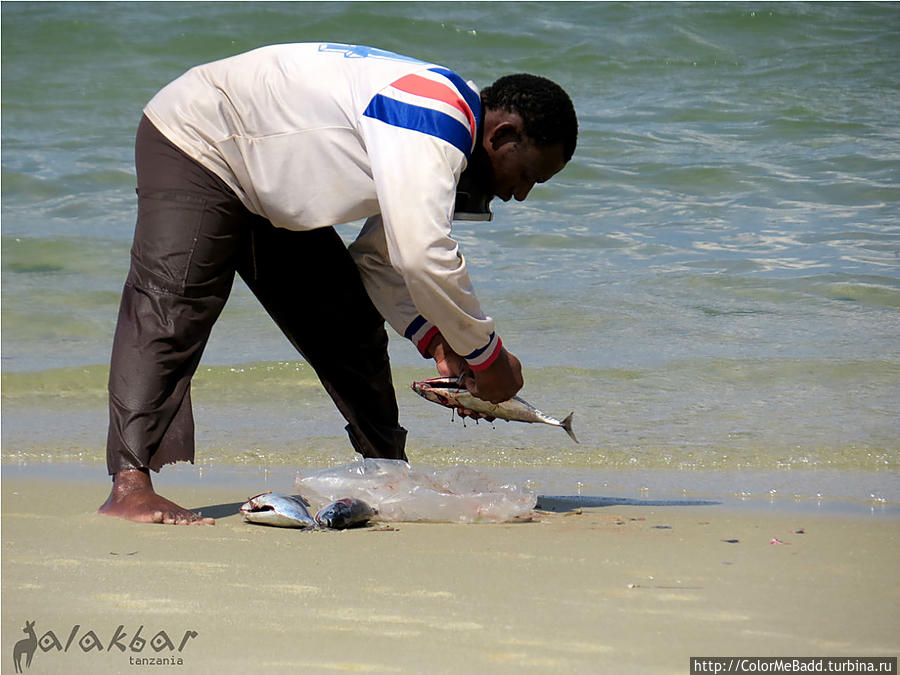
{"x":435,"y":342}
{"x":485,"y":359}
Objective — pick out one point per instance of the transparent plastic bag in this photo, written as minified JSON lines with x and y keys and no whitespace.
{"x":401,"y":493}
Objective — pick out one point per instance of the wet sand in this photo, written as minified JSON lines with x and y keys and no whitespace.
{"x":605,"y":589}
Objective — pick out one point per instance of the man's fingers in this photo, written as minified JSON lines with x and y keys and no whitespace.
{"x":469,"y":383}
{"x":465,"y":412}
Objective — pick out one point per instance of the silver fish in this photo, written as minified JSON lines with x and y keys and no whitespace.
{"x":449,"y":392}
{"x":344,"y":513}
{"x":277,"y":510}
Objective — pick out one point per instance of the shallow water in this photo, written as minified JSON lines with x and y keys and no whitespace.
{"x":712,"y":284}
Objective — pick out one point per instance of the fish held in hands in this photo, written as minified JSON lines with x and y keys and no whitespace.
{"x":449,"y":392}
{"x":277,"y":510}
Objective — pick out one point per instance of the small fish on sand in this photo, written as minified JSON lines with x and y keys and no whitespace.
{"x":344,"y":513}
{"x":449,"y":392}
{"x":277,"y":510}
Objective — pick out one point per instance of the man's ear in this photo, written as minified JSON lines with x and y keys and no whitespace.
{"x":507,"y":131}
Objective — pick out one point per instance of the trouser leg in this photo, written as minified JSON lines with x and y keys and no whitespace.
{"x":310,"y":285}
{"x":189,"y":231}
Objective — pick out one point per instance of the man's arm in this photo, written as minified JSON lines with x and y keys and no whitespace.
{"x":419,"y":133}
{"x":498,"y":382}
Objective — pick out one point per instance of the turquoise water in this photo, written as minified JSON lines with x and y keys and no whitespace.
{"x":712,"y":284}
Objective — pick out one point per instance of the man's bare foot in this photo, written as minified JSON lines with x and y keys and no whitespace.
{"x":133,"y":498}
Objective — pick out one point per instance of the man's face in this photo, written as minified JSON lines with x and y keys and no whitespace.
{"x":516,"y":163}
{"x":518,"y":167}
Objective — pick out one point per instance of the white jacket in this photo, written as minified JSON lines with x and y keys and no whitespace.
{"x":312,"y":135}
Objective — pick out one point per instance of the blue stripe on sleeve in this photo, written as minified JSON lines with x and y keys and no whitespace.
{"x":479,"y":352}
{"x":472,"y":98}
{"x":414,"y":326}
{"x":425,"y":120}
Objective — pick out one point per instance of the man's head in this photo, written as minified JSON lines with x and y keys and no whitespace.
{"x":530,"y":130}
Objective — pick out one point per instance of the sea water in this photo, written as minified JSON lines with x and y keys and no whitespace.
{"x":712,"y":284}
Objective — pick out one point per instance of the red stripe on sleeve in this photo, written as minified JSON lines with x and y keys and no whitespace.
{"x":426,"y":341}
{"x":422,"y":86}
{"x":490,"y":359}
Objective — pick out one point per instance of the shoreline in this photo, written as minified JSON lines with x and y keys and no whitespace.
{"x":614,"y":588}
{"x":813,"y":491}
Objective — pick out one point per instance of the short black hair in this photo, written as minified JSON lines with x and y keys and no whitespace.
{"x":545,"y":108}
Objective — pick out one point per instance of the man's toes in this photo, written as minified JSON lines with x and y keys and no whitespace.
{"x":171,"y":518}
{"x":191,"y":518}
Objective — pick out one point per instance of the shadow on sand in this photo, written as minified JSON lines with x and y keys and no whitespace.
{"x":554,"y":503}
{"x":560,"y":503}
{"x":219,"y":510}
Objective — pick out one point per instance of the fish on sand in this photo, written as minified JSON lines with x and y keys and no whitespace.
{"x":344,"y":513}
{"x":277,"y":510}
{"x":290,"y":511}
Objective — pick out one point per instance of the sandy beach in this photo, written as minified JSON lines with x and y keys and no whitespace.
{"x":629,"y":589}
{"x":711,"y":286}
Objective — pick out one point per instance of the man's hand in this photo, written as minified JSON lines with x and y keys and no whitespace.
{"x":451,"y":364}
{"x":499,"y":381}
{"x":448,"y":362}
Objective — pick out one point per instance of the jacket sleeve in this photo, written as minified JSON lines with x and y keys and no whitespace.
{"x":411,"y":265}
{"x":386,"y":287}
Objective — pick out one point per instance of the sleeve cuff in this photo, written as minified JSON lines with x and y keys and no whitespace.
{"x":484,"y":357}
{"x":421,"y":332}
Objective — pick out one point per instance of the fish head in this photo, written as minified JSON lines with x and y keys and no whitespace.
{"x":442,"y":390}
{"x":344,"y":513}
{"x":282,"y":510}
{"x":261,"y":502}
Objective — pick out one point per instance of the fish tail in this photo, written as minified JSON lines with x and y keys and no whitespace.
{"x":567,"y":425}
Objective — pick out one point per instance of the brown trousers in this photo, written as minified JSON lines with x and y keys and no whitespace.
{"x":192,"y":235}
